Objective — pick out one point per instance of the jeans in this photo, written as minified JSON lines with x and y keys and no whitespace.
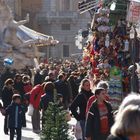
{"x":12,"y":133}
{"x":82,"y":124}
{"x":24,"y":120}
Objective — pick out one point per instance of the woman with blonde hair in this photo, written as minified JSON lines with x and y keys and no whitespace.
{"x":78,"y":106}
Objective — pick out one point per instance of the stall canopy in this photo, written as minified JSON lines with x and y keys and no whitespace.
{"x":25,"y":34}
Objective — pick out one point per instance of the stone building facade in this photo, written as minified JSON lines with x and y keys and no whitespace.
{"x":58,"y":18}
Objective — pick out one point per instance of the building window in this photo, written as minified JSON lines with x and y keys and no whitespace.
{"x":66,"y":5}
{"x":65,"y":50}
{"x":65,"y":27}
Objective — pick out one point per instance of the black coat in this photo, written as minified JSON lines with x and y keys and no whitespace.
{"x":38,"y":79}
{"x":93,"y":120}
{"x":16,"y":115}
{"x":7,"y":96}
{"x":74,"y":87}
{"x":45,"y":100}
{"x":62,"y":88}
{"x":111,"y":137}
{"x":19,"y":87}
{"x":80,"y":102}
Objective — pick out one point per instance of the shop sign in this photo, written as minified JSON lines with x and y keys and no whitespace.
{"x":134,"y":11}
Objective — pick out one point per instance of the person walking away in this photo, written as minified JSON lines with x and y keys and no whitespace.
{"x":73,"y":85}
{"x":80,"y":102}
{"x":35,"y":96}
{"x":7,"y":93}
{"x":18,"y":85}
{"x":50,"y":77}
{"x":100,"y":117}
{"x":15,"y":112}
{"x":38,"y":78}
{"x":62,"y":88}
{"x":46,"y":98}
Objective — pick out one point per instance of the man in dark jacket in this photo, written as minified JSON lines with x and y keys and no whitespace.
{"x":100,"y":118}
{"x":62,"y":87}
{"x":46,"y":99}
{"x":38,"y":78}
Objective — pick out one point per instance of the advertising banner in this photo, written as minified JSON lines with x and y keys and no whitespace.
{"x":134,"y":11}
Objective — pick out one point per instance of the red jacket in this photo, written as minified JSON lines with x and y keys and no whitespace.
{"x":91,"y":100}
{"x":35,"y":96}
{"x":27,"y":88}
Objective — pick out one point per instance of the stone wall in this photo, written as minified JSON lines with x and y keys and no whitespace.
{"x":47,"y":16}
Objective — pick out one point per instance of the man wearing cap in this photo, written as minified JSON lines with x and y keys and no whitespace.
{"x":100,"y":117}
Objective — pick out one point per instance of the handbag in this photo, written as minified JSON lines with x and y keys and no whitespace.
{"x":30,"y":110}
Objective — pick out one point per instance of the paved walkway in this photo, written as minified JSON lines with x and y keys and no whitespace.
{"x":27,"y":133}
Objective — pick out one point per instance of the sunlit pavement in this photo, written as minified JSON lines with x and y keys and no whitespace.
{"x":27,"y":133}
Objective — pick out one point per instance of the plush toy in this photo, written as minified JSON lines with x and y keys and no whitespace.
{"x":115,"y":71}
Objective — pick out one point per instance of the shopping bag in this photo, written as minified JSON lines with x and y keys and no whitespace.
{"x":78,"y":131}
{"x":30,"y":110}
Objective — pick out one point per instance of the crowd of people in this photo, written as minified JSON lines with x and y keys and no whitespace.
{"x":82,"y":86}
{"x":87,"y":101}
{"x":36,"y":87}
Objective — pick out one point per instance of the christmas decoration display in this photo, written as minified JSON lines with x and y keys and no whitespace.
{"x":108,"y":54}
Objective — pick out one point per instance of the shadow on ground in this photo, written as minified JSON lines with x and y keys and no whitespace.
{"x":27,"y":129}
{"x":26,"y":138}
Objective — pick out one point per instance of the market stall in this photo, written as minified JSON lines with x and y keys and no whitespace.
{"x":108,"y":54}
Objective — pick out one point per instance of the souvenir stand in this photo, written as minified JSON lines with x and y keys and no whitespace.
{"x":107,"y":51}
